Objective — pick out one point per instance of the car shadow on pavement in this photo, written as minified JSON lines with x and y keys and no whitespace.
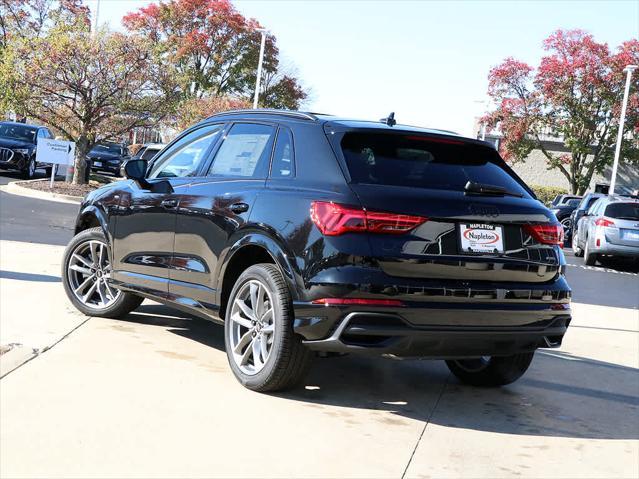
{"x":561,"y":395}
{"x":20,"y":276}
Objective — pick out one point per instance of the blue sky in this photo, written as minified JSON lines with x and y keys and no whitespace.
{"x":426,"y":60}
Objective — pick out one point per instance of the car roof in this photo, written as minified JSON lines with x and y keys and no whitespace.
{"x":17,"y":123}
{"x":331,"y":120}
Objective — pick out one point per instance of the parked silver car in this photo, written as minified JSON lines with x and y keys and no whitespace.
{"x":609,"y":228}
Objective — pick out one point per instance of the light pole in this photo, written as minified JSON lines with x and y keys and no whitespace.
{"x":263,"y":31}
{"x":613,"y":180}
{"x":97,"y":14}
{"x":484,"y":103}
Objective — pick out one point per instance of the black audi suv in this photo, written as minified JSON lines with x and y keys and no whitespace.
{"x":18,"y":144}
{"x":108,"y":156}
{"x":304,"y":232}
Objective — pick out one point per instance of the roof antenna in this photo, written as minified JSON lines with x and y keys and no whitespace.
{"x":390,"y":120}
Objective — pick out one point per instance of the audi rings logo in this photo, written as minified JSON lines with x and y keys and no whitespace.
{"x":485,"y":211}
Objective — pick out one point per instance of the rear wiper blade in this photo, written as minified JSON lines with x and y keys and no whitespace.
{"x":482,"y":189}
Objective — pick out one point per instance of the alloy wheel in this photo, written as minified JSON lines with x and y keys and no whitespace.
{"x":566,"y":224}
{"x":252,"y":327}
{"x":31,"y":167}
{"x":575,"y":244}
{"x":89,"y":272}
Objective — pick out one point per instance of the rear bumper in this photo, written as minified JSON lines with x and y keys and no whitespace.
{"x":389,"y":334}
{"x":444,"y":329}
{"x":611,"y":249}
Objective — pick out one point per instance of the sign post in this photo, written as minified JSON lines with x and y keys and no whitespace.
{"x":56,"y":152}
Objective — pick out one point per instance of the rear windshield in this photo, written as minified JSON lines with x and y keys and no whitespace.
{"x":623,"y":211}
{"x":422,"y":162}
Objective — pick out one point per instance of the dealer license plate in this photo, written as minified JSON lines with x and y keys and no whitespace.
{"x":630,"y":234}
{"x":481,"y":238}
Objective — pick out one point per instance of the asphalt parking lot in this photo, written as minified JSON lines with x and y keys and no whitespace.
{"x":151,"y":395}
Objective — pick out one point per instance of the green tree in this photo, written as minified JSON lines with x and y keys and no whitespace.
{"x":90,"y":87}
{"x":575,"y":94}
{"x":215,"y":51}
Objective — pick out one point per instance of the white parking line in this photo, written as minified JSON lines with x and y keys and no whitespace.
{"x":601,"y":270}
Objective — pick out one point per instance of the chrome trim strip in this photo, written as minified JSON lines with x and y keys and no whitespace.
{"x":6,"y":157}
{"x":267,"y":111}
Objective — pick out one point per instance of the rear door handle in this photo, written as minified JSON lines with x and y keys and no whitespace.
{"x":169,"y":204}
{"x":239,"y":207}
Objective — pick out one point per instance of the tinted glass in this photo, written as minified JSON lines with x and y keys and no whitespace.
{"x":283,"y":165}
{"x":18,"y":132}
{"x":417,"y":161}
{"x":589,"y":202}
{"x":573,"y":202}
{"x":245,"y":152}
{"x":186,"y":155}
{"x":113,"y":148}
{"x":149,"y":153}
{"x":623,"y":211}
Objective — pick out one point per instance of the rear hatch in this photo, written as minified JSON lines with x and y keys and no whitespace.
{"x":480,"y":220}
{"x":623,"y":223}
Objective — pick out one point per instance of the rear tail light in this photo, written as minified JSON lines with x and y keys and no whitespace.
{"x":604,"y":222}
{"x":547,"y":234}
{"x":334,"y":219}
{"x":358,"y":301}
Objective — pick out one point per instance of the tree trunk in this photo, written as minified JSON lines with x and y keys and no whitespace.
{"x":80,"y":165}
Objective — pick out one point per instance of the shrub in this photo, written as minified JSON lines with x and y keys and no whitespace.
{"x":547,"y":193}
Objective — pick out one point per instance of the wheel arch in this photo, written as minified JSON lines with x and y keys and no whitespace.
{"x":253,"y":248}
{"x":91,"y":217}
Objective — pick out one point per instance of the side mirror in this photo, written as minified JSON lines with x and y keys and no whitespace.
{"x":135,"y":170}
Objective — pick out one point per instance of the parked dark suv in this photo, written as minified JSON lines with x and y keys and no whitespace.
{"x":304,"y":232}
{"x":108,"y":156}
{"x":18,"y":143}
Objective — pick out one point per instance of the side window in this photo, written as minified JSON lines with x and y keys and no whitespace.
{"x":283,"y":165}
{"x":185,"y":156}
{"x":41,"y":134}
{"x":594,"y":207}
{"x":245,"y":152}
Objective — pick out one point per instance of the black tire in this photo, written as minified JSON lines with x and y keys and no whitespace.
{"x":124,"y":304}
{"x":589,"y":258}
{"x":491,"y":371}
{"x":289,"y":359}
{"x":29,"y":169}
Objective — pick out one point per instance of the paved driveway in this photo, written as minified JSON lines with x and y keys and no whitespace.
{"x":151,"y":395}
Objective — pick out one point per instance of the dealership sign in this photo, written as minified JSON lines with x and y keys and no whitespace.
{"x":58,"y":152}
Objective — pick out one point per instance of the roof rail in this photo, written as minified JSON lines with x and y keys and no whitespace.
{"x":268,"y":111}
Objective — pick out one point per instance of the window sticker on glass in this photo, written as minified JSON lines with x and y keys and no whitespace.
{"x":239,"y":154}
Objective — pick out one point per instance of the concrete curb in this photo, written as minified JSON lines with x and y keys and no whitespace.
{"x":16,"y":188}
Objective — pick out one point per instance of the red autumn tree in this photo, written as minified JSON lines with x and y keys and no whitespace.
{"x":215,"y":50}
{"x":575,"y":94}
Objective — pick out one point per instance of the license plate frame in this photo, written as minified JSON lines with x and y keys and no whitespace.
{"x":480,"y":238}
{"x":631,"y":235}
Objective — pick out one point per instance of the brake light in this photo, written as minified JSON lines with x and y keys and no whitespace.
{"x":604,"y":222}
{"x":358,"y":301}
{"x":547,"y":234}
{"x":334,"y":219}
